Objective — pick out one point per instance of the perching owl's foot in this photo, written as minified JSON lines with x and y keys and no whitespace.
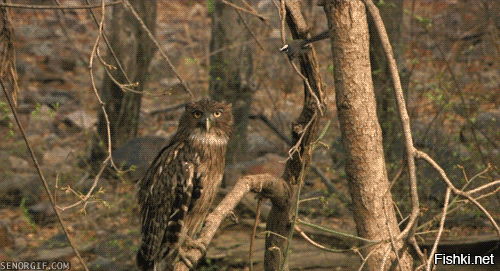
{"x":187,"y":258}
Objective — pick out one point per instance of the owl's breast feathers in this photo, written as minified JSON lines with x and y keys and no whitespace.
{"x":175,"y":195}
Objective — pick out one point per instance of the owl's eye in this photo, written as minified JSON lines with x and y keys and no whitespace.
{"x":197,"y":114}
{"x":217,"y":114}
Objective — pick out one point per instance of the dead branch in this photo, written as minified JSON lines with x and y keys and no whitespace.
{"x":162,"y":53}
{"x":249,"y":30}
{"x":10,"y":5}
{"x":8,"y":70}
{"x":42,"y":178}
{"x":441,"y":227}
{"x":403,"y":115}
{"x":108,"y":44}
{"x":249,"y":11}
{"x":266,"y":185}
{"x":456,"y":191}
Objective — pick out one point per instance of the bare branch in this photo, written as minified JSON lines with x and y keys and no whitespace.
{"x":457,"y":191}
{"x":441,"y":227}
{"x":162,"y":53}
{"x":249,"y":11}
{"x":268,"y":186}
{"x":10,"y":5}
{"x":40,"y":173}
{"x":249,"y":30}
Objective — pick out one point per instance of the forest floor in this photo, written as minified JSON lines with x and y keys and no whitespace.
{"x":58,"y":109}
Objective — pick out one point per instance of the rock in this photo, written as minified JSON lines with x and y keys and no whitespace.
{"x":118,"y":247}
{"x":57,"y":241}
{"x":42,"y":117}
{"x":54,"y":254}
{"x":138,"y":152}
{"x":54,"y":98}
{"x":486,"y":135}
{"x":17,"y":163}
{"x":81,"y":119}
{"x":20,"y":243}
{"x":57,"y":248}
{"x":259,"y":145}
{"x":33,"y":32}
{"x":103,"y":264}
{"x":173,"y":85}
{"x":56,"y":156}
{"x":16,"y":188}
{"x":5,"y":236}
{"x":487,"y":127}
{"x":42,"y":213}
{"x":41,"y":48}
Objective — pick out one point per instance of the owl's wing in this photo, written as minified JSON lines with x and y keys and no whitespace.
{"x":165,"y":194}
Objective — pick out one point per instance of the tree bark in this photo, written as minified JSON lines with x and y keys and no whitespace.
{"x":361,"y":135}
{"x":134,"y":51}
{"x":303,"y":132}
{"x":231,"y":71}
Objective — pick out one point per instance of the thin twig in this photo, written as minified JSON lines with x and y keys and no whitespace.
{"x":339,"y":234}
{"x":440,"y":231}
{"x":108,"y":44}
{"x":282,"y":10}
{"x":95,"y":51}
{"x":306,"y":81}
{"x":62,"y":25}
{"x":252,"y":11}
{"x":250,"y":30}
{"x":312,"y":242}
{"x":254,"y":230}
{"x":391,"y":238}
{"x":40,"y":173}
{"x":160,"y":49}
{"x":10,"y":5}
{"x":456,"y":191}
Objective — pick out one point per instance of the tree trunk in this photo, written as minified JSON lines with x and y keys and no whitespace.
{"x":280,"y":217}
{"x":134,"y":51}
{"x":231,"y":71}
{"x":361,"y":134}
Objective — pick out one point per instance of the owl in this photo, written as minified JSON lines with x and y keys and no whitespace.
{"x":178,"y":188}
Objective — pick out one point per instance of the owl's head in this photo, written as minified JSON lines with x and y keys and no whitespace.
{"x":207,"y":121}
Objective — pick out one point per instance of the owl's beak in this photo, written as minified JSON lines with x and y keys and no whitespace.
{"x":207,"y":123}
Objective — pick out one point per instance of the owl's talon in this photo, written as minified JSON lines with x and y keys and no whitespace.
{"x":197,"y":244}
{"x":186,"y":258}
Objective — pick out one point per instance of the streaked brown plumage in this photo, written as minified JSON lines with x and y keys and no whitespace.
{"x":181,"y":183}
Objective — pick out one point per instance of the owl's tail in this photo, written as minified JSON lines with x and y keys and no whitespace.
{"x":143,"y":264}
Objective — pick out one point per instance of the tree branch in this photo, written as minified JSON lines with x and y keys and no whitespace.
{"x":10,"y":5}
{"x":403,"y":115}
{"x":266,"y":185}
{"x":40,"y":173}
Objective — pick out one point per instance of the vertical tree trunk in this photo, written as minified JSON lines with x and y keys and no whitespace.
{"x":134,"y":51}
{"x":361,"y":133}
{"x":231,"y":71}
{"x":280,"y":217}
